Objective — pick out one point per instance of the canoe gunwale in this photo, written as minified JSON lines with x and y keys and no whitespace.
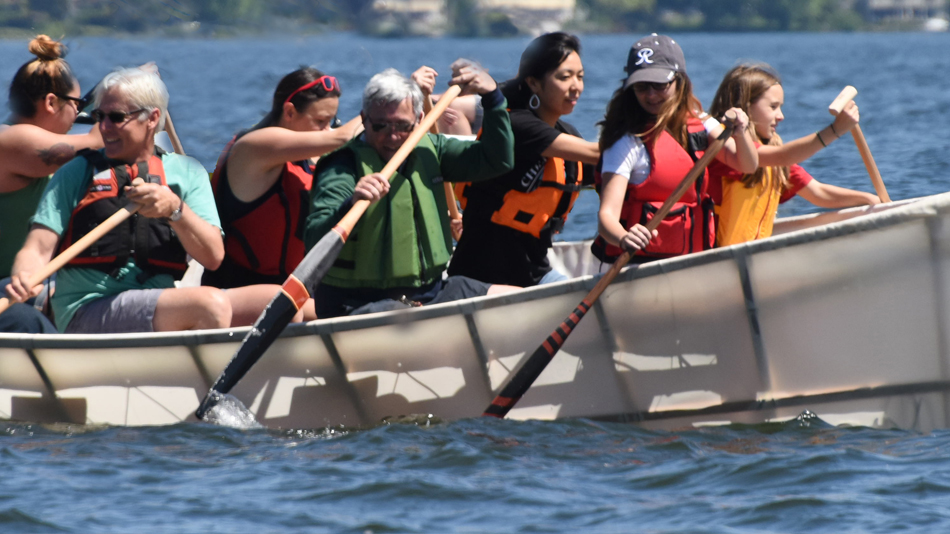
{"x":906,"y":212}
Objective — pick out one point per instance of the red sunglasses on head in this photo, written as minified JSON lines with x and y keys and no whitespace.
{"x":329,"y":83}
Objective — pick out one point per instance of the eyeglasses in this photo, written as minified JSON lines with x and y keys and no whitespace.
{"x":117,"y":117}
{"x":328,"y":83}
{"x":642,"y":87}
{"x":80,"y":102}
{"x":398,"y":127}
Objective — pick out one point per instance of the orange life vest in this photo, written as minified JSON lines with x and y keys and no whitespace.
{"x":689,"y":226}
{"x":151,"y":242}
{"x":537,"y":205}
{"x":265,"y":244}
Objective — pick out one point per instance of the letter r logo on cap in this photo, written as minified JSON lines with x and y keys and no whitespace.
{"x":645,"y":55}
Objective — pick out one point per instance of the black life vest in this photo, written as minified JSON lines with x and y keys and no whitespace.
{"x":151,"y":242}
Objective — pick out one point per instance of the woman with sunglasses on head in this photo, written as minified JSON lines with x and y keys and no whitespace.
{"x":749,"y":202}
{"x":44,"y":101}
{"x":262,"y":187}
{"x":509,"y":220}
{"x":651,"y":136}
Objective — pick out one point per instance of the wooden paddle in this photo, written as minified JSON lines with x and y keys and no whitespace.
{"x":454,"y":214}
{"x":87,"y":240}
{"x":846,"y":95}
{"x":539,"y":359}
{"x":173,"y":135}
{"x":308,"y":274}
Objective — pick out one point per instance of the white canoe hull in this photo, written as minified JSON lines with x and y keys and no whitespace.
{"x":848,"y":320}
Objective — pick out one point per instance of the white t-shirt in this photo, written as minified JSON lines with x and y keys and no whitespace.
{"x":629,"y":158}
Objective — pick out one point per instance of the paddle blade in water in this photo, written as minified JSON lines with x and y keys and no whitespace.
{"x":229,"y":411}
{"x":268,"y":326}
{"x":298,"y":287}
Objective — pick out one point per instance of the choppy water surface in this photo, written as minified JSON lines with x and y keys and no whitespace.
{"x":503,"y":476}
{"x":474,"y":476}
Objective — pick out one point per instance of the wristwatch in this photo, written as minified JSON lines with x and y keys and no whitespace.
{"x":176,"y":215}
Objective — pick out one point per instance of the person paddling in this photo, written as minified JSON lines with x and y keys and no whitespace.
{"x":34,"y":143}
{"x":396,"y":254}
{"x":262,"y":187}
{"x":510,"y":220}
{"x":652,"y":134}
{"x":124,"y":282}
{"x":748,"y":202}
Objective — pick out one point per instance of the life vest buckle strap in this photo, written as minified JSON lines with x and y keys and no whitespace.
{"x":555,"y":225}
{"x":568,"y":188}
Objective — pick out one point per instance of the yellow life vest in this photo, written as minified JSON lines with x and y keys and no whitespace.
{"x":747,"y":213}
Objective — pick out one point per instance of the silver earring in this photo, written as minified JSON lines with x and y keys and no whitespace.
{"x":534,"y":102}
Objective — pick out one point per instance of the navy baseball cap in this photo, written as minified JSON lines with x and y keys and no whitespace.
{"x":654,"y":58}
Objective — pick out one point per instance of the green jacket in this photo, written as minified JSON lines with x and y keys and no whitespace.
{"x":403,"y":240}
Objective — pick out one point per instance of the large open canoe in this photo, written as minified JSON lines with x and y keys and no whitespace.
{"x":842,"y":313}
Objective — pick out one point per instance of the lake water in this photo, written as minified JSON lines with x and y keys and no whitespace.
{"x":504,"y":476}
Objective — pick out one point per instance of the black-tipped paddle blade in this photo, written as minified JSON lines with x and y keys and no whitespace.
{"x":276,"y":316}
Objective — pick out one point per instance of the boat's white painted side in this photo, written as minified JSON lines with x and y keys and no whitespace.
{"x":846,"y":319}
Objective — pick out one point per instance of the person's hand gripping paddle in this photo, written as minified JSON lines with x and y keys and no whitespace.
{"x":309,"y":272}
{"x":539,"y":359}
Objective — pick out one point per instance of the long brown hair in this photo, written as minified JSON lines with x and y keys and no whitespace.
{"x":625,"y":115}
{"x":287,"y":85}
{"x":48,"y":73}
{"x":740,"y":88}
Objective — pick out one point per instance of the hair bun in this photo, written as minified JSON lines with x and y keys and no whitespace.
{"x":46,"y":49}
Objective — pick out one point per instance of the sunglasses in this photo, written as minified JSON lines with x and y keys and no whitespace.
{"x":642,"y":87}
{"x":398,"y":127}
{"x":80,"y":102}
{"x":117,"y":117}
{"x":327,"y":83}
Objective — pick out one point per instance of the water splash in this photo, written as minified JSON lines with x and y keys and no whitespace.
{"x":808,"y":419}
{"x":228,"y":411}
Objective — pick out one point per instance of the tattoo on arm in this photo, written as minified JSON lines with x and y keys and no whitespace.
{"x":57,"y":155}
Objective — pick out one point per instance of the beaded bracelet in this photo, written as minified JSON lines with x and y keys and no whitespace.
{"x":820,"y":140}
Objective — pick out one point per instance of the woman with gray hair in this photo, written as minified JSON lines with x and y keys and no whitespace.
{"x":124,"y":282}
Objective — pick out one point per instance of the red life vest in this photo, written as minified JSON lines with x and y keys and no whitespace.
{"x":265,"y":244}
{"x":541,"y":206}
{"x":151,"y":242}
{"x":689,"y":226}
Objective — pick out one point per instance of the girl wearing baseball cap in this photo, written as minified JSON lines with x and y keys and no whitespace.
{"x":747,"y":202}
{"x":652,"y":134}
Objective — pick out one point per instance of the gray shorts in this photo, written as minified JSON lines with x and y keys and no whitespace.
{"x":129,"y":311}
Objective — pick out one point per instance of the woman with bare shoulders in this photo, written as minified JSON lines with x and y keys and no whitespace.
{"x":262,"y":189}
{"x":44,"y":101}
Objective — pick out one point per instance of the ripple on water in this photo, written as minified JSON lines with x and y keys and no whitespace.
{"x":16,"y":520}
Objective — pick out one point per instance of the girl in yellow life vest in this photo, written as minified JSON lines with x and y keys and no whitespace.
{"x":747,"y":203}
{"x":653,"y":133}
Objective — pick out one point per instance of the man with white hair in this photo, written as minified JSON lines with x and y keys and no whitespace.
{"x":124,"y":282}
{"x":397,"y":253}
